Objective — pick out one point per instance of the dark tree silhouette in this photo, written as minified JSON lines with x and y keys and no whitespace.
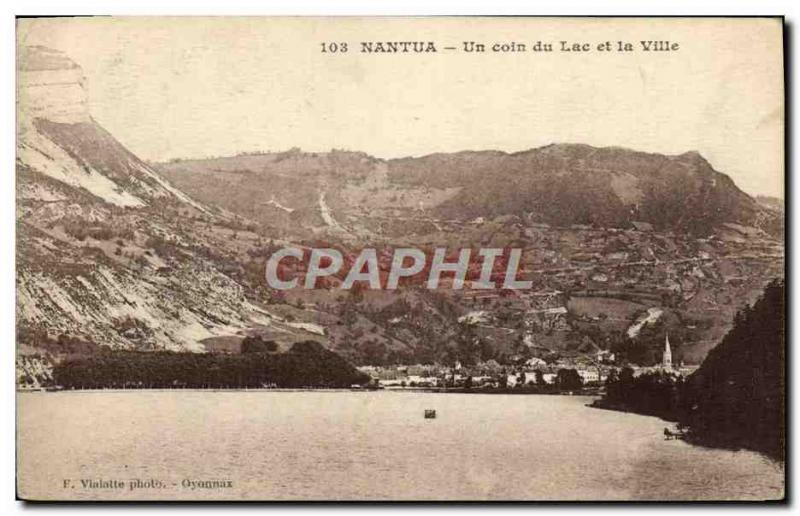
{"x":256,"y":344}
{"x":568,"y":380}
{"x":305,"y":365}
{"x":737,"y":397}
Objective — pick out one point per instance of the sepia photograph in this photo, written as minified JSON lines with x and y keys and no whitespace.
{"x":400,"y":259}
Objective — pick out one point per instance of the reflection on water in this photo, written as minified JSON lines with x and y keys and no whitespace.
{"x":367,"y":445}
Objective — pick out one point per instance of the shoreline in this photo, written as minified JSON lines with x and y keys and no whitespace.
{"x":433,"y":390}
{"x":603,"y":404}
{"x":711,"y":440}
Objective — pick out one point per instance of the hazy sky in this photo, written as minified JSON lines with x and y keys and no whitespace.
{"x":196,"y":87}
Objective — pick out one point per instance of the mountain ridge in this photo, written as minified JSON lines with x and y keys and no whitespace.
{"x":558,"y":184}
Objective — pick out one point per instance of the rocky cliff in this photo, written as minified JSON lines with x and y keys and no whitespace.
{"x":104,"y":250}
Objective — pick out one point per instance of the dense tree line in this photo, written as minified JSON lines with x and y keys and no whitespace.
{"x":737,"y":397}
{"x":307,"y":364}
{"x":656,"y":393}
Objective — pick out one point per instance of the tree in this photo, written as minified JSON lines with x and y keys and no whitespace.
{"x":468,"y":382}
{"x":503,"y":380}
{"x":520,"y":379}
{"x":256,"y":344}
{"x":540,"y":378}
{"x":308,"y":347}
{"x":568,"y":380}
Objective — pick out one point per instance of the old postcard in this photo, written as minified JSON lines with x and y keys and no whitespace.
{"x":446,"y":258}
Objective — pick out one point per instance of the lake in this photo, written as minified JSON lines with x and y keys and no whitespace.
{"x":335,"y":445}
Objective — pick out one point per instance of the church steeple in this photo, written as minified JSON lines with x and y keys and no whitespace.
{"x":667,"y":360}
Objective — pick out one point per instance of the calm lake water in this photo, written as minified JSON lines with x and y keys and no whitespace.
{"x":366,"y":445}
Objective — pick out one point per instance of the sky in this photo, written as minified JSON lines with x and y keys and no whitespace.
{"x":197,"y":87}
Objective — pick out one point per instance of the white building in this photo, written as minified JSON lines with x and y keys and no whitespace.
{"x":589,"y":375}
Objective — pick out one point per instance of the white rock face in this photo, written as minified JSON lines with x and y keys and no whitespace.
{"x":95,"y":303}
{"x":57,"y":137}
{"x":38,"y":152}
{"x":51,"y":86}
{"x":75,"y":287}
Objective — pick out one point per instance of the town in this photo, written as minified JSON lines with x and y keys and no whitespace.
{"x":534,"y":375}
